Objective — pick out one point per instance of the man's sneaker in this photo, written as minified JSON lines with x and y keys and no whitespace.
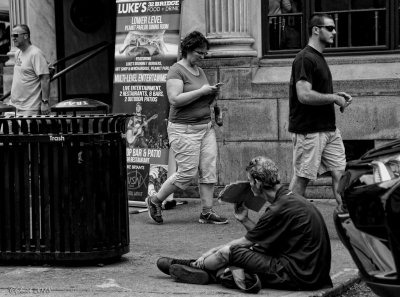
{"x":212,"y":217}
{"x":154,"y":210}
{"x":189,"y":275}
{"x":169,"y":204}
{"x":164,"y":263}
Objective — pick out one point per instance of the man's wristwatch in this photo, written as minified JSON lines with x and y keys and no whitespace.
{"x":45,"y":101}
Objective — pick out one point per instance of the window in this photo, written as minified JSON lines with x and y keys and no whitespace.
{"x":397,"y":25}
{"x":362,"y":25}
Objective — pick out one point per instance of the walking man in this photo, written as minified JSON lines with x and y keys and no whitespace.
{"x":317,"y":143}
{"x":30,"y":90}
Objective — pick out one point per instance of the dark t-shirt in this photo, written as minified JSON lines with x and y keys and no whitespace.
{"x":293,"y":231}
{"x":197,"y":112}
{"x":310,"y":65}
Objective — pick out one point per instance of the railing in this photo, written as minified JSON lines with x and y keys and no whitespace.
{"x":285,"y":31}
{"x":95,"y":50}
{"x":369,"y":25}
{"x":355,"y":28}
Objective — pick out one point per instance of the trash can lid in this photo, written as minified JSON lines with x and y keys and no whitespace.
{"x":79,"y":104}
{"x":5,"y":107}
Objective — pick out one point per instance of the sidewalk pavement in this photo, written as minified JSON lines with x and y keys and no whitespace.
{"x":136,"y":273}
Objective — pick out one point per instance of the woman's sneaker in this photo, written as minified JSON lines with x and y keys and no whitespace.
{"x":154,"y":210}
{"x":212,"y":217}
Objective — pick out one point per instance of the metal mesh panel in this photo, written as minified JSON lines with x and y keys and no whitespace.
{"x":63,"y":188}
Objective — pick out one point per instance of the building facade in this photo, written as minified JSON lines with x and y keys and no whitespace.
{"x":252,"y":48}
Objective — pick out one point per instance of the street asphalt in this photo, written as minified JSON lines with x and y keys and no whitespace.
{"x":136,"y":274}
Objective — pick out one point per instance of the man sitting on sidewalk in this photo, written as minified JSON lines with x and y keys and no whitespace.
{"x":288,"y":248}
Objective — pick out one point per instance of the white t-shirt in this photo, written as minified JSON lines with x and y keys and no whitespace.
{"x":26,"y":92}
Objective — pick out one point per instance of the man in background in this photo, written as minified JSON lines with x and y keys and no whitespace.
{"x":30,"y":90}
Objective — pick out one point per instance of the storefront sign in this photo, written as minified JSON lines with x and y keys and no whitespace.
{"x":146,"y":45}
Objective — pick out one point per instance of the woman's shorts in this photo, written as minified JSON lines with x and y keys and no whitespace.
{"x":195,"y":149}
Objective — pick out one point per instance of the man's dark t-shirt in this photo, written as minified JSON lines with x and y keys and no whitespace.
{"x":310,"y":65}
{"x":293,"y":231}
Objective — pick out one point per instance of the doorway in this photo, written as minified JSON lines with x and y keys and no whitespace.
{"x":81,"y":24}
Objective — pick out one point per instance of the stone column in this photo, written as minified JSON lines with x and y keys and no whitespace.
{"x":228,"y":28}
{"x":40,"y":18}
{"x":17,"y":16}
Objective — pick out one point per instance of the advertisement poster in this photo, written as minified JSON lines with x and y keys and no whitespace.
{"x":146,"y":45}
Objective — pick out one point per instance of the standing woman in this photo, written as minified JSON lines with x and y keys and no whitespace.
{"x":190,"y":130}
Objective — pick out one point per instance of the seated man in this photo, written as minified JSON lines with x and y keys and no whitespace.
{"x":288,"y":248}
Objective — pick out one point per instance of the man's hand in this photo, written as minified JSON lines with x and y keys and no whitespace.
{"x":340,"y":208}
{"x":44,"y":108}
{"x":241,"y":212}
{"x":130,"y":124}
{"x":199,"y":263}
{"x":347,"y":100}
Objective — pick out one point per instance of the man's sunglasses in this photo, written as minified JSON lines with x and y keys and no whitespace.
{"x":329,"y":28}
{"x":15,"y":35}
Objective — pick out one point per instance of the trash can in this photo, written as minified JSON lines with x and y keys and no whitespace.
{"x":6,"y":108}
{"x":63,"y":188}
{"x":79,"y":105}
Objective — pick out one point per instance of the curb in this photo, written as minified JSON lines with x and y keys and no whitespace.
{"x":338,"y":290}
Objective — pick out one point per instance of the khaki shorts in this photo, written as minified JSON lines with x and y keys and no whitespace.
{"x":195,"y":150}
{"x":317,"y":153}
